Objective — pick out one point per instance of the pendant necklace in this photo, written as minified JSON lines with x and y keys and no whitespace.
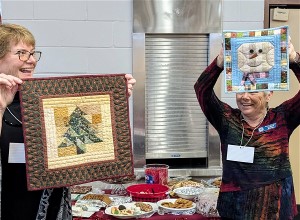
{"x":13,"y":115}
{"x":252,"y":131}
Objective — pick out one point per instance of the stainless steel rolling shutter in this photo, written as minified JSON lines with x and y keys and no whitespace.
{"x":174,"y":120}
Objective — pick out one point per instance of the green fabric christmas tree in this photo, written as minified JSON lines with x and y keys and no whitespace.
{"x":79,"y":133}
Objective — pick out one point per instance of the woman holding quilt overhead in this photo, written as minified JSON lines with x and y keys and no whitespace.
{"x":257,"y":182}
{"x":18,"y":59}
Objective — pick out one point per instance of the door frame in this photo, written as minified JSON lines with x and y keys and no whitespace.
{"x":281,"y":3}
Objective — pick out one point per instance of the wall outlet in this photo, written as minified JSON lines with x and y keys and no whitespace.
{"x":281,"y":14}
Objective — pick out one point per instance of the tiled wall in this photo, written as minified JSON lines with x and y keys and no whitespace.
{"x":76,"y":36}
{"x":94,"y":36}
{"x":241,"y":15}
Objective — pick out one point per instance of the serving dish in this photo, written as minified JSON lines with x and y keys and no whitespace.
{"x":136,"y":212}
{"x":161,"y":202}
{"x":188,"y":192}
{"x":83,"y":210}
{"x":147,"y":192}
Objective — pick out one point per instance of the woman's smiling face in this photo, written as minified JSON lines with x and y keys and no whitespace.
{"x":253,"y":104}
{"x":12,"y":65}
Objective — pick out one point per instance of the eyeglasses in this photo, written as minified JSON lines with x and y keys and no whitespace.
{"x":24,"y":55}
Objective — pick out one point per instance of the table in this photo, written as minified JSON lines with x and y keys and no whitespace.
{"x":101,"y":216}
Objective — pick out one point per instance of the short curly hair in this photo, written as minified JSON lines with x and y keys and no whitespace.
{"x":12,"y":34}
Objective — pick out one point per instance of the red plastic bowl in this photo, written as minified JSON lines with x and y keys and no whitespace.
{"x":147,"y":192}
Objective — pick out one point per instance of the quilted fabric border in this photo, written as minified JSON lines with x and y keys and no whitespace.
{"x":256,"y":60}
{"x":76,"y":130}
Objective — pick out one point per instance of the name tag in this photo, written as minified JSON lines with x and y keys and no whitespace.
{"x":16,"y":153}
{"x":240,"y":153}
{"x":267,"y":127}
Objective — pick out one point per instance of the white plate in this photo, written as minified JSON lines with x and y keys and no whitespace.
{"x":188,"y":192}
{"x":172,"y":209}
{"x":128,"y":205}
{"x":78,"y":212}
{"x":118,"y":200}
{"x":91,"y":203}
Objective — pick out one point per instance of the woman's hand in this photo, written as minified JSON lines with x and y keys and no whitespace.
{"x":292,"y":52}
{"x":130,"y":83}
{"x":220,"y":58}
{"x":8,"y":87}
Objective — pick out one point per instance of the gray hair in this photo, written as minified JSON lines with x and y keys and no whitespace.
{"x":267,"y":92}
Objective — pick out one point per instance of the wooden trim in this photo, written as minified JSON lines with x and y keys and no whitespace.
{"x":281,"y":3}
{"x":297,"y":217}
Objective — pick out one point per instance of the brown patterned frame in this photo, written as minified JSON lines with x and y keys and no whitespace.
{"x":35,"y":92}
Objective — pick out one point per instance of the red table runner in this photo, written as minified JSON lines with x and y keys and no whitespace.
{"x":101,"y":216}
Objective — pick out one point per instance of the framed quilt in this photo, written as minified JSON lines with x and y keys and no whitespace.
{"x":256,"y":60}
{"x":76,"y":130}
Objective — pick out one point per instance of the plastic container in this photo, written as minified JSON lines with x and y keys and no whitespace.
{"x":156,"y":174}
{"x":147,"y":192}
{"x":206,"y":202}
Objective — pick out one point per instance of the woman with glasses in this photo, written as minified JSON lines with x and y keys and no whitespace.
{"x":18,"y":59}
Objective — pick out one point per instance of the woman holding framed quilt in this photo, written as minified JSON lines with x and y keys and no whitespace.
{"x":257,"y":180}
{"x":18,"y":59}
